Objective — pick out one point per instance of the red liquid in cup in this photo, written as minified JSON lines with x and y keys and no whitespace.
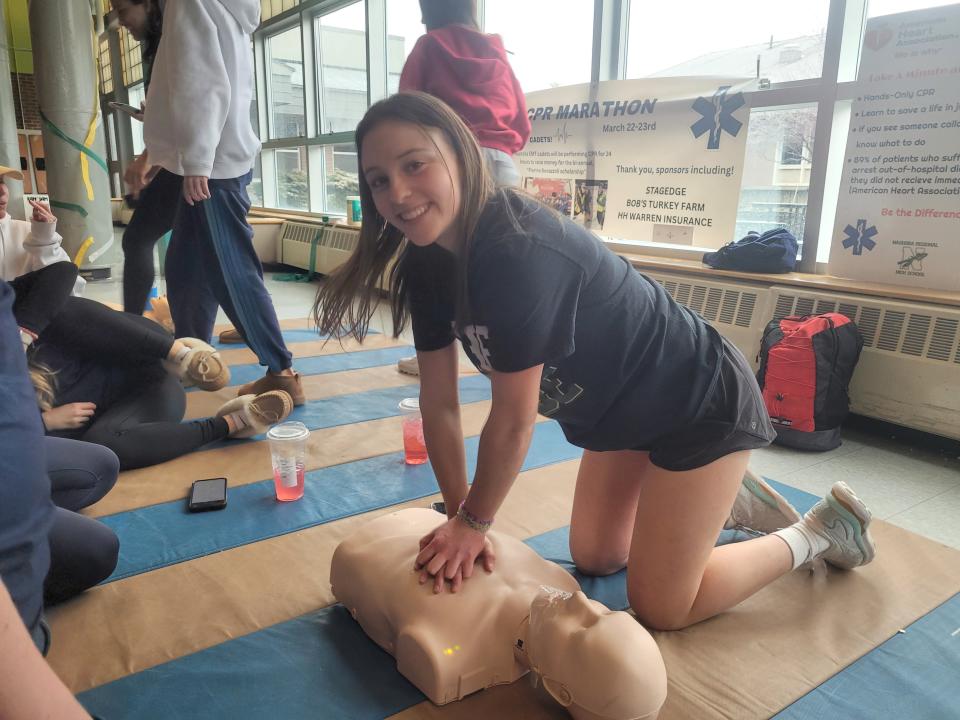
{"x":288,"y":482}
{"x":414,"y":447}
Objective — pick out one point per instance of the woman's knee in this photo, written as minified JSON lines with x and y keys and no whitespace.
{"x":654,"y":612}
{"x":594,"y":559}
{"x":80,"y":472}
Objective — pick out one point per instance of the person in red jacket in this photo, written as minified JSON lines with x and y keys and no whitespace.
{"x":469,"y":71}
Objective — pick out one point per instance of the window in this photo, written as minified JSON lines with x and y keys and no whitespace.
{"x":135,"y":96}
{"x":341,"y":57}
{"x":772,"y":39}
{"x":776,"y":171}
{"x":255,"y":188}
{"x":548,"y":45}
{"x":888,"y":7}
{"x":131,"y":58}
{"x":269,"y":8}
{"x":106,"y":69}
{"x":333,"y":171}
{"x":284,"y":59}
{"x":403,"y":30}
{"x":293,"y":190}
{"x":793,"y":152}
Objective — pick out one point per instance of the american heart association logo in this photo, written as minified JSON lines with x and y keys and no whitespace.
{"x":876,"y":39}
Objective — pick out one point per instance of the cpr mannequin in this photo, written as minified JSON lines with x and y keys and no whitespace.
{"x":528,"y":614}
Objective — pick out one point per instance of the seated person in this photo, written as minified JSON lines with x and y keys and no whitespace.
{"x":113,"y":378}
{"x":34,"y":263}
{"x":83,"y":551}
{"x":528,"y":615}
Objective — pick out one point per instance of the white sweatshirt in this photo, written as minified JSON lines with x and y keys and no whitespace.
{"x":24,"y":248}
{"x":198,"y":105}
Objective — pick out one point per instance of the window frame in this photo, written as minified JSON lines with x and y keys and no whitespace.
{"x":831,"y":93}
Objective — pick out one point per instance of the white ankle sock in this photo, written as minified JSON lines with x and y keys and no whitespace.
{"x":804,"y":542}
{"x":178,"y":358}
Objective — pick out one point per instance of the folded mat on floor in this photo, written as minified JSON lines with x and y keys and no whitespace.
{"x":243,"y":373}
{"x":166,"y":533}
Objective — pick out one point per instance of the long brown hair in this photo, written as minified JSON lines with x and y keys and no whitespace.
{"x":335,"y":310}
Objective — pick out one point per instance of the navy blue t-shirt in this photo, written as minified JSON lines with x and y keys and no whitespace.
{"x":624,"y":364}
{"x":26,"y":510}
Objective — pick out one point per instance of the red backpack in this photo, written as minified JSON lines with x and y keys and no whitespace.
{"x":806,"y":364}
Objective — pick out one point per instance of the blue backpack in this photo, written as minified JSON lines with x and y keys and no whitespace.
{"x":775,"y":251}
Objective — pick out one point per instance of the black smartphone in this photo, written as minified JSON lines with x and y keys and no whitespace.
{"x":440,"y":507}
{"x":208,"y":495}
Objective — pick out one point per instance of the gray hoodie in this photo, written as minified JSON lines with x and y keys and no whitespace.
{"x":198,"y":105}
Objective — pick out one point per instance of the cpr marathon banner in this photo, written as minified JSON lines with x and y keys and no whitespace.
{"x":898,"y":215}
{"x":657,"y":160}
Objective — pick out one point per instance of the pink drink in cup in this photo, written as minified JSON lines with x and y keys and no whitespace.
{"x":414,"y":446}
{"x":288,"y":452}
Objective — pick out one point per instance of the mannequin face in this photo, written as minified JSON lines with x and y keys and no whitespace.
{"x":595,"y":662}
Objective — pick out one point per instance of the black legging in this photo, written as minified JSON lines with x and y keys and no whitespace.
{"x":83,"y":551}
{"x":139,"y":418}
{"x":91,"y":329}
{"x":152,"y":217}
{"x":41,"y":294}
{"x":144,"y":427}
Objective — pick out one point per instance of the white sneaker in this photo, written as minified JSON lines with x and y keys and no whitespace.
{"x":409,"y":365}
{"x":843,"y":519}
{"x":759,"y":508}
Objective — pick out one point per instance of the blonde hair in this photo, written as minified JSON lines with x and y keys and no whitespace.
{"x":44,"y":383}
{"x":335,"y":310}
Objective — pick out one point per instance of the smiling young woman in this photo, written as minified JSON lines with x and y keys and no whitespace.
{"x":657,"y":399}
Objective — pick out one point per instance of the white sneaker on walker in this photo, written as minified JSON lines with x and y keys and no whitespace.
{"x":843,"y":519}
{"x":409,"y":365}
{"x":759,"y":508}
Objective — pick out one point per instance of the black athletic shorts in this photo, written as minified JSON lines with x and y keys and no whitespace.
{"x":734,"y":418}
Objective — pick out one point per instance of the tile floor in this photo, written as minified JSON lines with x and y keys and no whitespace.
{"x":908,"y":479}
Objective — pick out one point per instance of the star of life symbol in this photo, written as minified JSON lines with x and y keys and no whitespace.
{"x":860,"y":237}
{"x":717,"y":116}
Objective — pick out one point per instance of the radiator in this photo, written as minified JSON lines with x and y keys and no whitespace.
{"x":334,"y":245}
{"x":909,"y":372}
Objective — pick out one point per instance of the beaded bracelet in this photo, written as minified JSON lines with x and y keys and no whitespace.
{"x":471,"y":520}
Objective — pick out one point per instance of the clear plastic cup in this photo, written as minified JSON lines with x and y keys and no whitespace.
{"x":288,"y":451}
{"x":414,"y":446}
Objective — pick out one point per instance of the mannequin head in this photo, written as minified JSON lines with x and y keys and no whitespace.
{"x":597,"y":663}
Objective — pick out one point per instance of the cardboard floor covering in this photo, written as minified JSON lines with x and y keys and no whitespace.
{"x":749,"y":662}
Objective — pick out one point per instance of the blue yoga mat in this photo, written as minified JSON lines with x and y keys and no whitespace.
{"x":914,"y":674}
{"x":369,"y":405}
{"x":165,"y":534}
{"x":289,"y":670}
{"x":289,"y":337}
{"x":321,"y":364}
